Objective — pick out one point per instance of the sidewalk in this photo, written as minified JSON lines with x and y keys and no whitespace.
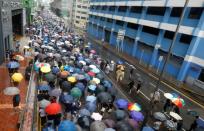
{"x":9,"y":118}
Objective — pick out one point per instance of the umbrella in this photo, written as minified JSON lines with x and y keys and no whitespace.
{"x":120,"y":114}
{"x":55,"y":70}
{"x":96,"y":80}
{"x":109,"y":123}
{"x":92,"y":66}
{"x":100,"y":88}
{"x":104,"y":97}
{"x":107,"y":84}
{"x":84,"y":121}
{"x":123,"y":126}
{"x":55,"y":92}
{"x":122,"y":103}
{"x":168,"y":96}
{"x":119,"y":62}
{"x":50,"y":77}
{"x":76,"y":92}
{"x":92,"y":87}
{"x":42,"y":65}
{"x":43,"y":87}
{"x":80,"y":85}
{"x":138,"y":116}
{"x":147,"y":128}
{"x":64,"y":74}
{"x":72,"y":79}
{"x":175,"y":115}
{"x":90,"y":73}
{"x":96,"y":116}
{"x":26,"y":47}
{"x":200,"y":122}
{"x":68,"y":98}
{"x":43,"y":103}
{"x":91,"y":98}
{"x":53,"y":109}
{"x":93,"y":51}
{"x":13,"y":65}
{"x":84,"y":112}
{"x":45,"y":69}
{"x":109,"y":129}
{"x":80,"y":77}
{"x":91,"y":106}
{"x":43,"y":83}
{"x":170,"y":124}
{"x":11,"y":91}
{"x":82,"y":62}
{"x":19,"y":57}
{"x":134,"y":107}
{"x":67,"y":125}
{"x":17,"y":77}
{"x":178,"y":102}
{"x":95,"y":70}
{"x":133,"y":123}
{"x":159,"y":116}
{"x":97,"y":126}
{"x":100,"y":76}
{"x":66,"y":86}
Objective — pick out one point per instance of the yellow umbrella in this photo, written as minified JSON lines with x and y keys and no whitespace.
{"x":17,"y":77}
{"x":62,"y":68}
{"x":96,"y":80}
{"x":72,"y":79}
{"x":19,"y":57}
{"x":45,"y":69}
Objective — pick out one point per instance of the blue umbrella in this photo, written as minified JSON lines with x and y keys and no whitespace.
{"x":91,"y":106}
{"x":92,"y":87}
{"x":95,"y":70}
{"x":87,"y":77}
{"x":80,"y":77}
{"x":80,"y":58}
{"x":68,"y":98}
{"x":122,"y":103}
{"x":80,"y":86}
{"x":84,"y":112}
{"x":147,"y":128}
{"x":13,"y":65}
{"x":67,"y":125}
{"x":55,"y":70}
{"x":91,"y":99}
{"x":107,"y":83}
{"x":66,"y":68}
{"x":44,"y":88}
{"x":87,"y":60}
{"x":120,"y":62}
{"x":138,"y":116}
{"x":100,"y":76}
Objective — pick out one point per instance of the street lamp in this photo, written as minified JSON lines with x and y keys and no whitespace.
{"x":165,"y":64}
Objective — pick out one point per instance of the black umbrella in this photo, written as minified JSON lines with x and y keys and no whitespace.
{"x":123,"y":126}
{"x":66,"y":86}
{"x":50,"y":77}
{"x":84,"y":121}
{"x":120,"y":114}
{"x":104,"y":97}
{"x":99,"y":89}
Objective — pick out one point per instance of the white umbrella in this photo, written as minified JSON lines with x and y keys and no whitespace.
{"x":11,"y":91}
{"x":36,"y":44}
{"x":92,"y":66}
{"x":170,"y":124}
{"x":159,"y":116}
{"x":175,"y":116}
{"x":26,"y":47}
{"x":168,"y":95}
{"x":96,"y":116}
{"x":43,"y":103}
{"x":63,"y":51}
{"x":82,"y":62}
{"x":52,"y":41}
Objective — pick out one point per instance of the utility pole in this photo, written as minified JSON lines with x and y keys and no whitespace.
{"x":165,"y":64}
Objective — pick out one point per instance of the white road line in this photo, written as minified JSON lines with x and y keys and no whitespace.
{"x":152,"y":84}
{"x":161,"y":91}
{"x":145,"y":96}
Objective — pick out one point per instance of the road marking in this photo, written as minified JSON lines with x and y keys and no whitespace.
{"x":145,"y":95}
{"x":161,"y":91}
{"x":152,"y":84}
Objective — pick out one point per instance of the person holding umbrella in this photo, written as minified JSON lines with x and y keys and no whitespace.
{"x":131,"y":85}
{"x":16,"y":101}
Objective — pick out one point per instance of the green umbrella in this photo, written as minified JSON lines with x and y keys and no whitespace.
{"x":50,"y":77}
{"x":76,"y":92}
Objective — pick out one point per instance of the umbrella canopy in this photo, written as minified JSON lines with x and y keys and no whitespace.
{"x":91,"y":98}
{"x":53,"y":109}
{"x":72,"y":79}
{"x":170,"y":124}
{"x":19,"y":57}
{"x":100,"y":88}
{"x":138,"y":116}
{"x":122,"y":103}
{"x":123,"y":126}
{"x":133,"y":123}
{"x":11,"y":91}
{"x":76,"y":92}
{"x":100,"y":76}
{"x":97,"y":126}
{"x":66,"y":86}
{"x":107,"y":84}
{"x":45,"y":69}
{"x":147,"y":128}
{"x":80,"y":85}
{"x":134,"y":107}
{"x":80,"y":77}
{"x":92,"y":66}
{"x":84,"y":121}
{"x":68,"y":98}
{"x":55,"y":92}
{"x":90,"y":73}
{"x":67,"y":125}
{"x":109,"y":129}
{"x":159,"y":116}
{"x":104,"y":97}
{"x":82,"y":62}
{"x":109,"y":123}
{"x":96,"y":80}
{"x":64,"y":74}
{"x":175,"y":115}
{"x":26,"y":47}
{"x":96,"y":116}
{"x":55,"y":70}
{"x":84,"y":112}
{"x":95,"y":70}
{"x":91,"y":106}
{"x":17,"y":77}
{"x":179,"y":102}
{"x":93,"y":51}
{"x":92,"y":87}
{"x":44,"y":87}
{"x":50,"y":77}
{"x":13,"y":65}
{"x":43,"y":103}
{"x":168,"y":96}
{"x":120,"y":114}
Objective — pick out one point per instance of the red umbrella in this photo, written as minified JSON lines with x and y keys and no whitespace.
{"x":90,"y":73}
{"x":53,"y":109}
{"x":64,"y":74}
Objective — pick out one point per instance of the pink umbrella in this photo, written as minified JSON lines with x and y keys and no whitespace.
{"x":93,"y":51}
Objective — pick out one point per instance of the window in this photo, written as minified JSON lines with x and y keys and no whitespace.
{"x":78,"y":17}
{"x":195,"y":13}
{"x":84,"y":18}
{"x":186,"y":38}
{"x":103,"y":7}
{"x":132,"y":26}
{"x":122,"y":9}
{"x":128,"y":39}
{"x":77,"y":21}
{"x":85,"y":7}
{"x":112,"y":8}
{"x":176,"y":12}
{"x":156,"y":10}
{"x":169,"y":35}
{"x":150,"y":30}
{"x":109,"y":20}
{"x":102,"y":18}
{"x":136,"y":9}
{"x":79,"y":6}
{"x":119,"y":22}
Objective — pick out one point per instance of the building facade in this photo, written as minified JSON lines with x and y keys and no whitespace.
{"x":149,"y":28}
{"x":80,"y":13}
{"x":12,"y":21}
